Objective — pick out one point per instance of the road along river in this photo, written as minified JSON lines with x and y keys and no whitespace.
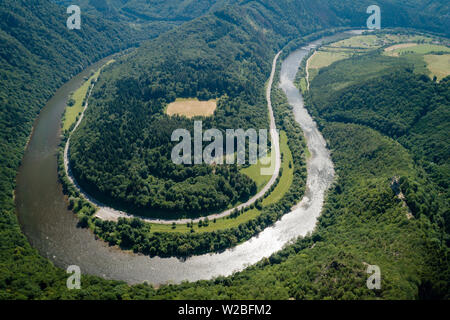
{"x":51,"y":227}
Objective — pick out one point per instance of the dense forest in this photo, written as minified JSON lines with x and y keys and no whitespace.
{"x":363,"y":220}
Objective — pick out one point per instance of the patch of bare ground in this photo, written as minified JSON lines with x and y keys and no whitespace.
{"x":191,"y":108}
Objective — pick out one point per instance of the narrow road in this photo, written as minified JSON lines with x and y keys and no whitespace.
{"x":107,"y":213}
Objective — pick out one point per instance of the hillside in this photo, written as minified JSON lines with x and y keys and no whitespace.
{"x":144,"y":11}
{"x":38,"y":54}
{"x":33,"y":67}
{"x":407,"y":107}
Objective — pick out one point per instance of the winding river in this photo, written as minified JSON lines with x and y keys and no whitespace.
{"x":51,"y":227}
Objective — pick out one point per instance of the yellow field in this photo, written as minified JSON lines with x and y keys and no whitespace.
{"x":416,"y":49}
{"x":439,"y":65}
{"x":323,"y":59}
{"x":191,"y":108}
{"x":340,"y":50}
{"x":399,"y":46}
{"x":71,"y":113}
{"x":368,"y":41}
{"x":373,"y":41}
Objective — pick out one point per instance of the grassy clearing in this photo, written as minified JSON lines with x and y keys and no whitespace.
{"x":417,"y":49}
{"x":439,"y":65}
{"x":288,"y":173}
{"x":377,"y":41}
{"x":303,"y":85}
{"x":325,"y":58}
{"x":226,"y":223}
{"x":343,"y":49}
{"x":191,"y":108}
{"x":412,"y":48}
{"x":72,"y":112}
{"x":220,"y":224}
{"x":397,"y":38}
{"x":421,"y":55}
{"x":329,"y":54}
{"x":400,"y":46}
{"x":254,"y":173}
{"x":368,"y":41}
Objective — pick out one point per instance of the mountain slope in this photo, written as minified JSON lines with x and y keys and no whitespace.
{"x":154,"y":10}
{"x":147,"y":19}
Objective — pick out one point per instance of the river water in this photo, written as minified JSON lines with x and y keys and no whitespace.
{"x":51,"y":227}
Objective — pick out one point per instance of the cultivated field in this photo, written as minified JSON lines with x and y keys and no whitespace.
{"x":323,"y":59}
{"x":191,"y":108}
{"x":439,"y":65}
{"x":415,"y":49}
{"x":399,"y":46}
{"x":72,"y":112}
{"x":436,"y":64}
{"x":369,"y":41}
